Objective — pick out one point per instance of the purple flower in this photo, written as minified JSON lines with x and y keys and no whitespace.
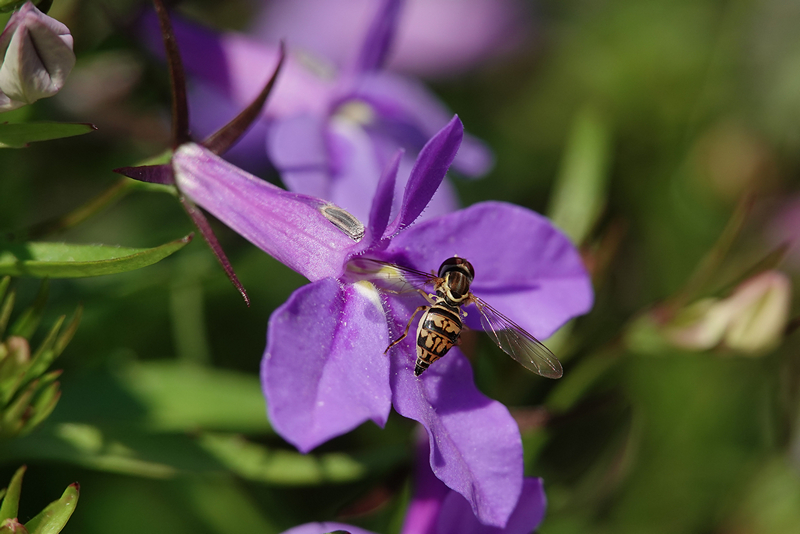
{"x":324,"y":371}
{"x":436,"y":509}
{"x":330,"y":134}
{"x":435,"y":38}
{"x":37,"y":57}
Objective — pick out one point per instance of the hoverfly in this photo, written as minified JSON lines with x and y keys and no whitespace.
{"x":440,"y":325}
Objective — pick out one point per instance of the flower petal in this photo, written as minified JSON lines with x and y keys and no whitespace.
{"x":429,"y":494}
{"x":456,"y":517}
{"x":298,"y":149}
{"x":323,"y":372}
{"x":409,"y":112}
{"x":288,"y":226}
{"x":238,"y":67}
{"x":524,"y":266}
{"x":476,"y":448}
{"x":380,"y":36}
{"x":325,"y":528}
{"x":382,"y":201}
{"x":428,"y":173}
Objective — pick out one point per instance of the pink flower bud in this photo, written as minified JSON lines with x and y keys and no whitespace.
{"x":37,"y":57}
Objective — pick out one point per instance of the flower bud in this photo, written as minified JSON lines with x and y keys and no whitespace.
{"x":37,"y":57}
{"x":750,"y":320}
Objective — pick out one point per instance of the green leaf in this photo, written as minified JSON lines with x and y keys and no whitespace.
{"x":256,"y":462}
{"x":8,"y":509}
{"x":184,"y":397}
{"x":19,"y":135}
{"x":61,"y":260}
{"x":580,"y":191}
{"x":5,"y":310}
{"x":53,"y":518}
{"x":10,"y":5}
{"x":27,"y":323}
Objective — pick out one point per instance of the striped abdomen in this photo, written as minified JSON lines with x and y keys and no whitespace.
{"x":437,"y":332}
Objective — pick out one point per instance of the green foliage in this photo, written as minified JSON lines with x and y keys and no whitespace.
{"x":13,"y":135}
{"x":28,"y":393}
{"x":51,"y":520}
{"x":62,"y":260}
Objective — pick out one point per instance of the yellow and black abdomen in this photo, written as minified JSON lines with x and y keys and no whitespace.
{"x":437,"y":332}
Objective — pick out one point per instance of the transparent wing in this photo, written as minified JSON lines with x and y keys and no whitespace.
{"x":391,"y":277}
{"x":517,"y":343}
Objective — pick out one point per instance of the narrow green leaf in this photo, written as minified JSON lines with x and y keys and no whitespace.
{"x":61,"y":260}
{"x":580,"y":190}
{"x":66,"y":336}
{"x":19,"y":135}
{"x":44,"y":403}
{"x":4,"y":283}
{"x":27,"y":323}
{"x":16,"y":359}
{"x":10,"y":506}
{"x":16,"y":414}
{"x":53,"y":518}
{"x":44,"y":355}
{"x":5,"y":310}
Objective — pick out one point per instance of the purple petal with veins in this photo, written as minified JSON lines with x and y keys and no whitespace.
{"x":476,"y":449}
{"x":288,"y":226}
{"x":324,"y":372}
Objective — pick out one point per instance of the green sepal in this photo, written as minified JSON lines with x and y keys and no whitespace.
{"x":61,"y":260}
{"x":27,"y":323}
{"x":56,"y":514}
{"x":20,"y":135}
{"x":10,"y":505}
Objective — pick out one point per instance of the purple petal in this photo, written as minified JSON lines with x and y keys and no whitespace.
{"x":355,"y":167}
{"x":428,"y":172}
{"x":524,"y":266}
{"x":456,"y":517}
{"x":412,"y":114}
{"x":435,"y":38}
{"x":238,"y":67}
{"x":382,"y":202}
{"x":297,"y":147}
{"x":476,"y":448}
{"x":325,"y":528}
{"x":429,"y":494}
{"x":288,"y":226}
{"x":380,"y":36}
{"x":324,"y":371}
{"x":210,"y":110}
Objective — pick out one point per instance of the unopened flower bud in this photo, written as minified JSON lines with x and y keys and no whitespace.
{"x":37,"y":57}
{"x":759,"y":311}
{"x":750,"y":320}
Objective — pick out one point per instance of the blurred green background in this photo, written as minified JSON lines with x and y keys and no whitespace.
{"x":654,"y":121}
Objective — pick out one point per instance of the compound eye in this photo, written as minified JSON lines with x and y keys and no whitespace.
{"x":456,"y":264}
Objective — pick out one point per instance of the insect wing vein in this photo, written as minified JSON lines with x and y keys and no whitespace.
{"x":517,"y":343}
{"x":394,"y":278}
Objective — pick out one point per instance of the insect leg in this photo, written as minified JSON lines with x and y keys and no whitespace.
{"x":401,"y":338}
{"x":427,"y":296}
